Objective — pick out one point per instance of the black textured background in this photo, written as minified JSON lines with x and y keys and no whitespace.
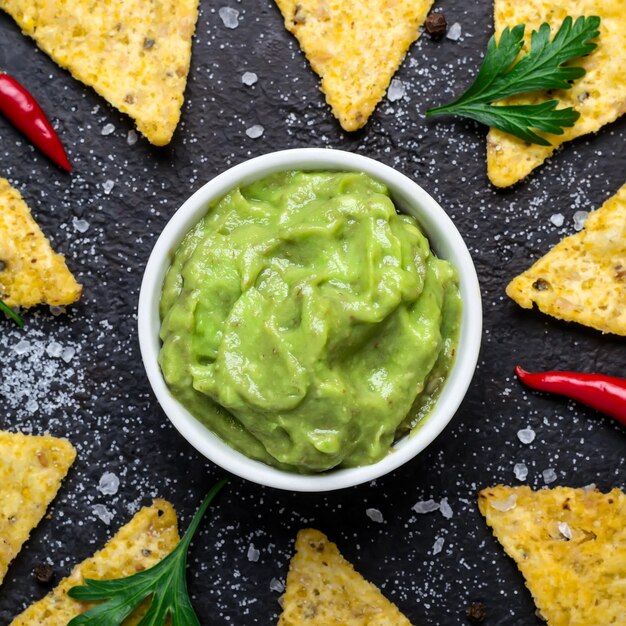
{"x":101,"y":400}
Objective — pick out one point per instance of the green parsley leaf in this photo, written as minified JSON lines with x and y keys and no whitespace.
{"x":165,"y":583}
{"x":12,"y":314}
{"x":542,"y":68}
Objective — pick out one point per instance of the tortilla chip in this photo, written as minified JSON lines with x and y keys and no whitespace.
{"x":600,"y":96}
{"x":33,"y":273}
{"x":31,"y":471}
{"x":324,"y":590}
{"x":134,"y":53}
{"x":583,"y":278}
{"x":149,"y":537}
{"x":570,"y":545}
{"x":355,"y":46}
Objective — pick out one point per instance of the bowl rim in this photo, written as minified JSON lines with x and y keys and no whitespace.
{"x":445,"y":240}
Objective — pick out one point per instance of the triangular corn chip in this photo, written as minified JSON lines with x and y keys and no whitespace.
{"x":324,"y":590}
{"x":134,"y":53}
{"x":30,"y":271}
{"x":149,"y":537}
{"x":356,"y":46}
{"x":31,"y":471}
{"x":600,"y":96}
{"x":570,"y":545}
{"x":583,"y":278}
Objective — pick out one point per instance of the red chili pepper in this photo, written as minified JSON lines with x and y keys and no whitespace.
{"x":603,"y":393}
{"x":23,"y":111}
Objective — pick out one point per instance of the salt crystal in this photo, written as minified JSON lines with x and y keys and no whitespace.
{"x":22,"y":347}
{"x":54,"y":349}
{"x":557,"y":219}
{"x":396,"y":90}
{"x":57,"y":310}
{"x":253,"y":553}
{"x":254,"y":132}
{"x":132,"y":137}
{"x":520,"y":470}
{"x":445,"y":509}
{"x":249,"y":78}
{"x":375,"y":515}
{"x":108,"y":129}
{"x":504,"y":505}
{"x":549,"y":475}
{"x":579,"y":219}
{"x":454,"y":32}
{"x":438,"y":545}
{"x":80,"y":225}
{"x":276,"y":585}
{"x":32,"y":405}
{"x":590,"y":487}
{"x":526,"y":435}
{"x":109,"y":484}
{"x":107,"y":186}
{"x":229,"y":16}
{"x":425,"y":506}
{"x":565,"y":530}
{"x":68,"y":353}
{"x":102,"y":513}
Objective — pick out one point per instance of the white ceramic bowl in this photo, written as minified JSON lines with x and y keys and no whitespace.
{"x":408,"y":197}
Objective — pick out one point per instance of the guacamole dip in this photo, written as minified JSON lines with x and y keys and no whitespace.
{"x":306,"y":323}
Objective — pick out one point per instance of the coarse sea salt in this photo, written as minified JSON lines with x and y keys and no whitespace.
{"x":82,"y":226}
{"x":507,"y":504}
{"x":229,"y":16}
{"x":579,"y":219}
{"x":254,"y":132}
{"x":425,"y":506}
{"x":102,"y":513}
{"x":249,"y":78}
{"x":565,"y":530}
{"x":107,"y":186}
{"x":67,"y":354}
{"x":132,"y":137}
{"x":445,"y":509}
{"x":108,"y":129}
{"x":253,"y":553}
{"x":557,"y":219}
{"x":54,"y":349}
{"x":396,"y":90}
{"x":276,"y":585}
{"x":109,"y":484}
{"x":375,"y":515}
{"x":454,"y":32}
{"x":549,"y":475}
{"x":526,"y":435}
{"x":521,"y":471}
{"x":438,"y":545}
{"x":22,"y":347}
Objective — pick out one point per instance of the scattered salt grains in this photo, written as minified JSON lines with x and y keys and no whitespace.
{"x":565,"y":530}
{"x":396,"y":90}
{"x":557,"y":219}
{"x":438,"y":545}
{"x":579,"y":219}
{"x":107,"y":186}
{"x":102,"y":513}
{"x":526,"y":435}
{"x":109,"y":484}
{"x":132,"y":138}
{"x":375,"y":515}
{"x":549,"y":475}
{"x":82,"y":226}
{"x":249,"y":78}
{"x":454,"y":32}
{"x":276,"y":585}
{"x":254,"y":132}
{"x":507,"y":504}
{"x":108,"y":129}
{"x":54,"y":349}
{"x":521,"y":471}
{"x":425,"y":506}
{"x":253,"y":553}
{"x":445,"y":509}
{"x":229,"y":16}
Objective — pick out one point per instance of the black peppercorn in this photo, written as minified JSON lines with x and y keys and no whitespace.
{"x":436,"y":25}
{"x":43,"y":573}
{"x":476,"y":612}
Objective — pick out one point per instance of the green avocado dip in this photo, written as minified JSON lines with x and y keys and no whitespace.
{"x":307,"y":323}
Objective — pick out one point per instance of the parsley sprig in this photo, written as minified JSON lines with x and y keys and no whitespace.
{"x":12,"y":314}
{"x":542,"y":68}
{"x":165,"y":582}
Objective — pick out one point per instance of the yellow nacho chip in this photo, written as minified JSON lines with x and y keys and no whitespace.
{"x":324,"y":590}
{"x":31,"y":471}
{"x":583,"y":278}
{"x":31,"y":272}
{"x":570,"y":545}
{"x":356,"y":46}
{"x":600,"y":96}
{"x":149,"y":537}
{"x":134,"y":53}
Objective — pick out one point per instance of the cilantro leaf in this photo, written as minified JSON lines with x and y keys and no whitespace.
{"x":165,"y":583}
{"x":12,"y":314}
{"x":542,"y":68}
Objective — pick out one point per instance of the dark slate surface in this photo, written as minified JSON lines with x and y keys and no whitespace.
{"x":100,"y":397}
